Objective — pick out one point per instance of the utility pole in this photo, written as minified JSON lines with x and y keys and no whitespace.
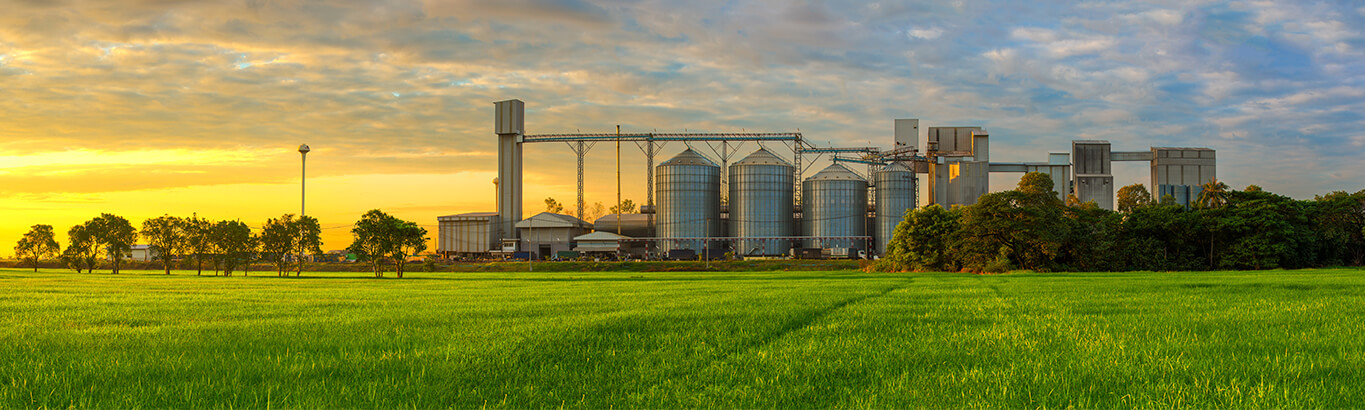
{"x":618,"y":180}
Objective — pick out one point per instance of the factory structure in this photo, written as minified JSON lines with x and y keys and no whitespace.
{"x":764,"y":205}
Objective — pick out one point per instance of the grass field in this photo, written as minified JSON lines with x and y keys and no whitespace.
{"x":769,"y":339}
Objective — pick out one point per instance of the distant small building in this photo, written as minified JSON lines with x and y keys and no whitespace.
{"x":547,"y":233}
{"x":598,"y":242}
{"x":467,"y":234}
{"x":142,"y":253}
{"x":606,"y":243}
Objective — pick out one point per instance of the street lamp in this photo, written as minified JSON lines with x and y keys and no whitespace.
{"x":303,"y":173}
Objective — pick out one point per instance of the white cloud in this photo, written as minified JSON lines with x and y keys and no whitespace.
{"x":924,"y":34}
{"x":1035,"y":34}
{"x":1079,"y":46}
{"x":1165,"y":16}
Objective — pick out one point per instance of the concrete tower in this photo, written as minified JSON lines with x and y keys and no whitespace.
{"x":509,"y":124}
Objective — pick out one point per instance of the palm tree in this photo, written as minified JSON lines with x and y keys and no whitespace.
{"x":1213,"y":195}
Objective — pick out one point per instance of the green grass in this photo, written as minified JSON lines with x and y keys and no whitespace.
{"x":769,"y":339}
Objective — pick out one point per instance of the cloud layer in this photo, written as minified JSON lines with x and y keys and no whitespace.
{"x":405,"y":87}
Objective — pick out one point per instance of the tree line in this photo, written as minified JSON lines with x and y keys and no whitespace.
{"x":594,"y":211}
{"x":225,"y":246}
{"x":1030,"y":228}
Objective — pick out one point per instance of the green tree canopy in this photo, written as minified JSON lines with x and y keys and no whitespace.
{"x":373,"y":235}
{"x":40,"y":242}
{"x":409,"y":240}
{"x":278,"y":240}
{"x":627,"y":206}
{"x":234,"y":241}
{"x":921,"y":241}
{"x":82,"y":251}
{"x":1036,"y":183}
{"x":553,"y":206}
{"x":166,"y":234}
{"x":1132,"y":197}
{"x":197,"y":240}
{"x":309,"y":232}
{"x":116,"y":235}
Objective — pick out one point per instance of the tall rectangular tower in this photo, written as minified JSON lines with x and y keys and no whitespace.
{"x":907,"y":133}
{"x":960,"y":172}
{"x":1182,"y":172}
{"x":509,"y":124}
{"x":1090,"y":159}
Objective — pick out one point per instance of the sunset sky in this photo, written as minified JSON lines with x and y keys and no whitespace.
{"x":148,"y":107}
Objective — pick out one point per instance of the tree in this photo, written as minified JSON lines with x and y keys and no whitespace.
{"x":379,"y":236}
{"x":38,"y":243}
{"x":233,"y":240}
{"x":252,"y":254}
{"x":197,"y":240}
{"x":626,"y":207}
{"x":1036,"y":183}
{"x":165,"y":234}
{"x":553,"y":206}
{"x":1072,"y":200}
{"x":1212,"y":198}
{"x":372,"y":239}
{"x":278,"y":239}
{"x":116,"y":235}
{"x":82,"y":251}
{"x":408,"y":239}
{"x":1160,"y":237}
{"x":309,"y":234}
{"x":1133,"y":196}
{"x":1010,"y":229}
{"x":920,"y":242}
{"x":1214,"y":195}
{"x":1254,"y":188}
{"x":597,"y":210}
{"x":1091,"y":239}
{"x":1340,"y":224}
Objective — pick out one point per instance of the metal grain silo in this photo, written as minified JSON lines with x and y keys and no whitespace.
{"x":895,"y":194}
{"x":834,"y":203}
{"x":687,"y":188}
{"x":761,"y":203}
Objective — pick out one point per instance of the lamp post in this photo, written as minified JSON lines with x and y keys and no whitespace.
{"x":303,"y":173}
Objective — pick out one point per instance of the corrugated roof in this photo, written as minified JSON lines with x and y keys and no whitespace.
{"x":625,"y":218}
{"x":549,"y":220}
{"x":468,"y":215}
{"x":762,"y":157}
{"x":688,"y":157}
{"x":896,"y":167}
{"x":836,"y":172}
{"x":600,"y":236}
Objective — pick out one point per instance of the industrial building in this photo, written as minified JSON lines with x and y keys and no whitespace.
{"x":762,"y":205}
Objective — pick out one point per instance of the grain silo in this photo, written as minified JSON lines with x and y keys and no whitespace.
{"x":761,"y":204}
{"x":688,"y":191}
{"x":834,"y":204}
{"x":895,"y":194}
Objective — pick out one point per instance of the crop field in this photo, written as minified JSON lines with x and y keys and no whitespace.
{"x":683,"y":339}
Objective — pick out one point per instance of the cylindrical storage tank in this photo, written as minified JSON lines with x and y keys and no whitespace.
{"x":761,"y":204}
{"x":632,"y":225}
{"x":895,"y":194}
{"x":834,"y":203}
{"x":687,"y":188}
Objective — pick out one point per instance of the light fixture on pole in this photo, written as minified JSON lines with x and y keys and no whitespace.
{"x":303,"y":191}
